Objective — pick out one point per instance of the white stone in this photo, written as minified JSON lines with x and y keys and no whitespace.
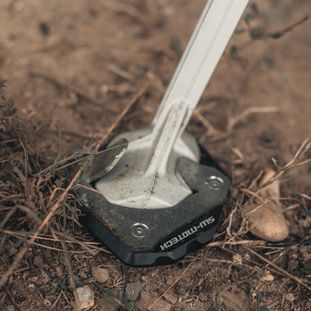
{"x":85,"y":297}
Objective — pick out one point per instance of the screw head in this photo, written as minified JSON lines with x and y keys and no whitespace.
{"x":214,"y":182}
{"x":139,"y":230}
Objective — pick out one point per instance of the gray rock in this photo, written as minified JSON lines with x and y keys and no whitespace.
{"x":133,"y":290}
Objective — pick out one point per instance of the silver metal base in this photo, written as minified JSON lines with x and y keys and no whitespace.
{"x":130,"y":183}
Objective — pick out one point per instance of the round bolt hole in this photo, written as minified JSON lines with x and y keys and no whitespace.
{"x":139,"y":230}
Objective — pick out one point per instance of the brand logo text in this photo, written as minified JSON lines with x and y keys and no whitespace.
{"x":187,"y":233}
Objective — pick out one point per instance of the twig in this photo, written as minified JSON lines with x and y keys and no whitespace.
{"x":56,"y":301}
{"x":298,"y":159}
{"x":74,"y":159}
{"x":211,"y":130}
{"x":72,"y":240}
{"x":216,"y":135}
{"x":120,"y":72}
{"x":50,"y":247}
{"x":72,"y":283}
{"x":230,"y":218}
{"x":279,"y":269}
{"x":305,"y":196}
{"x":242,"y":242}
{"x":272,"y":35}
{"x":234,"y":121}
{"x":281,"y":33}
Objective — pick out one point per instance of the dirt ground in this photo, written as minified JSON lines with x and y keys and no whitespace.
{"x":71,"y":67}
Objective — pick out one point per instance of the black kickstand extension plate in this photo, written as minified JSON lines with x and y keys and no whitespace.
{"x":146,"y":237}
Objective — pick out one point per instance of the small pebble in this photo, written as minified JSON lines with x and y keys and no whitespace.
{"x":290,"y":297}
{"x":101,"y":275}
{"x":59,"y":271}
{"x":47,"y":302}
{"x":237,"y":258}
{"x":85,"y":297}
{"x":267,"y":277}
